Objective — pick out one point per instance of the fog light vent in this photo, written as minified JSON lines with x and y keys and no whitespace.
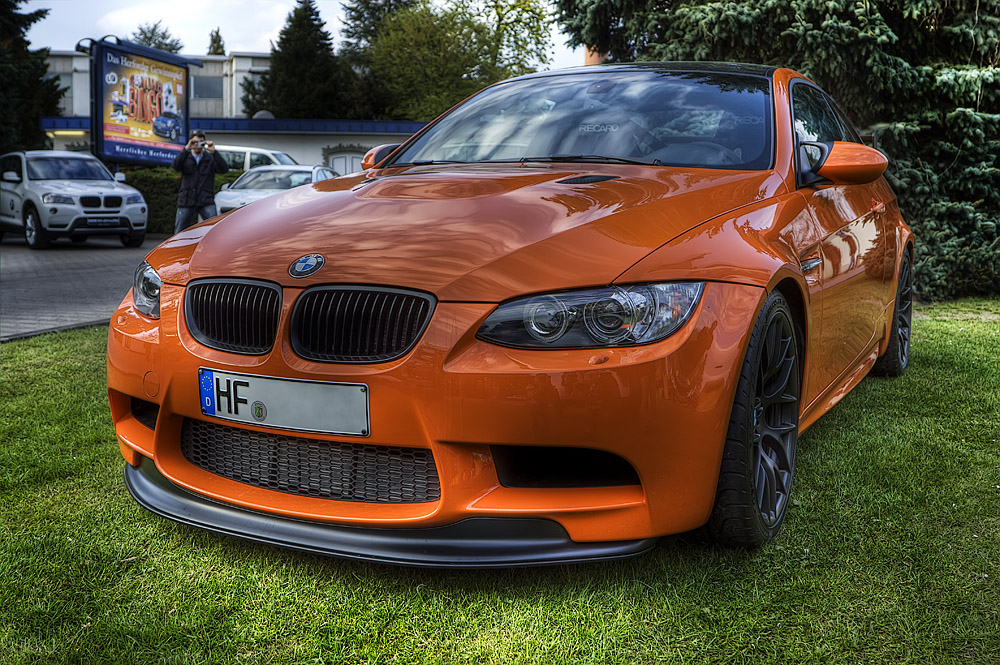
{"x":553,"y":466}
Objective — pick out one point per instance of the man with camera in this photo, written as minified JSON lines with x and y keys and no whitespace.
{"x":198,"y":163}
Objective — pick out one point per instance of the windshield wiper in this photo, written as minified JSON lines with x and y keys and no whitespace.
{"x":592,"y":158}
{"x":430,"y":162}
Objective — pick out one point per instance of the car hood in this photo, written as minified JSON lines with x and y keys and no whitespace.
{"x":84,"y":187}
{"x":464,"y":233}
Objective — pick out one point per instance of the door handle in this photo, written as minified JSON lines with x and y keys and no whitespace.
{"x":810,"y":264}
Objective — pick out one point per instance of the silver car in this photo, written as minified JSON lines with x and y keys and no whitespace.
{"x":262,"y":181}
{"x":46,"y":194}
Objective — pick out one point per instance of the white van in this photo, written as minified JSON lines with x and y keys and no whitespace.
{"x":241,"y":157}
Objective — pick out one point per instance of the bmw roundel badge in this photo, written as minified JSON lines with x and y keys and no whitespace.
{"x":306,"y":265}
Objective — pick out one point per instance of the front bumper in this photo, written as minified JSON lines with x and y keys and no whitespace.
{"x":472,"y":543}
{"x":72,"y":220}
{"x":663,"y":408}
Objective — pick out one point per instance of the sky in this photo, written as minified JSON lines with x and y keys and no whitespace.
{"x":245,"y":25}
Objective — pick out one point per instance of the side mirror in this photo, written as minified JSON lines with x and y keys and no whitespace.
{"x":377,"y":155}
{"x":120,"y":177}
{"x":10,"y":176}
{"x":225,"y":185}
{"x":844,"y":163}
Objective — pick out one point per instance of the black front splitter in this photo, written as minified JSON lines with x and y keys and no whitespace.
{"x":478,"y":542}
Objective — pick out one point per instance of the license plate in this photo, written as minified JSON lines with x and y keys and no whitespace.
{"x":307,"y":406}
{"x":102,"y":221}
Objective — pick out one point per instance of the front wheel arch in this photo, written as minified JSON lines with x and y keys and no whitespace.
{"x":758,"y":461}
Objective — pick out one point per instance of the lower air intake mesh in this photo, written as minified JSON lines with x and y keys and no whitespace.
{"x":311,"y":467}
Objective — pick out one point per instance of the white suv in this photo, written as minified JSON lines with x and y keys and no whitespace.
{"x":45,"y":194}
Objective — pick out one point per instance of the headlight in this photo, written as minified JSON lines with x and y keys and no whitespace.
{"x":134,"y":198}
{"x":146,"y":290}
{"x":612,"y":316}
{"x":57,"y":198}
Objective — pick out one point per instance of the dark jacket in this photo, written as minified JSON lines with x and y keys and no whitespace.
{"x":198,"y":178}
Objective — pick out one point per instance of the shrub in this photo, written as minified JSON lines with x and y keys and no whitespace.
{"x":159,"y":187}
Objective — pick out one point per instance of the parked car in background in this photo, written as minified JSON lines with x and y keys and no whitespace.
{"x":244,"y":158}
{"x":47,"y":194}
{"x":583,"y":309}
{"x":169,"y":125}
{"x":262,"y":181}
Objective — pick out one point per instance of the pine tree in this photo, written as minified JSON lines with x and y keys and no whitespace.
{"x":154,"y":36}
{"x":363,"y":18}
{"x":25,"y":93}
{"x":362,"y":21}
{"x":924,"y":74}
{"x":215,"y":44}
{"x":305,"y":79}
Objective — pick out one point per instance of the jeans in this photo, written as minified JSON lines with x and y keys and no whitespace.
{"x":187,"y":216}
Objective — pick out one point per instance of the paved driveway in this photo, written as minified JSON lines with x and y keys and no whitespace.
{"x":67,"y":286}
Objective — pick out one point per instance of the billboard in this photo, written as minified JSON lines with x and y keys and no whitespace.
{"x":139,"y":100}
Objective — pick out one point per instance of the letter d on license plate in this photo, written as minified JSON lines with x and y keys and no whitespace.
{"x":306,"y":406}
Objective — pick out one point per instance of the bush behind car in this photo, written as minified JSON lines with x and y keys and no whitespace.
{"x":159,"y":187}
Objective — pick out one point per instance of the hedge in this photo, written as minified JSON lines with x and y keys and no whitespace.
{"x":159,"y":187}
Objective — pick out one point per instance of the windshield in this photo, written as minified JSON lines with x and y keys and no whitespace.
{"x":692,"y":119}
{"x":267,"y":179}
{"x":66,"y":168}
{"x":284,"y":159}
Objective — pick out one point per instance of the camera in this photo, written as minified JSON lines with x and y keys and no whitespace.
{"x":202,"y":144}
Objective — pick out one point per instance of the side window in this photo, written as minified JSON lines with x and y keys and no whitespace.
{"x":12,"y":163}
{"x":850,"y":133}
{"x":814,"y":120}
{"x":234,"y":158}
{"x":259,"y":159}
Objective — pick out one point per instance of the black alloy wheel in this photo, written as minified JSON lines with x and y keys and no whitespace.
{"x":758,"y":463}
{"x":896,"y":358}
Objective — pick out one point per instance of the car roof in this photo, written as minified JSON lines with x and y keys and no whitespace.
{"x":285,"y":167}
{"x":666,"y":67}
{"x":225,"y":146}
{"x":55,"y":153}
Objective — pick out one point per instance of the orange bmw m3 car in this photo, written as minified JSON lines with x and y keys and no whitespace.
{"x":581,"y":310}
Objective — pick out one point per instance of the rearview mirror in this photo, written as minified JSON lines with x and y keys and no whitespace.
{"x":10,"y":176}
{"x":120,"y":177}
{"x":225,"y":185}
{"x":377,"y":155}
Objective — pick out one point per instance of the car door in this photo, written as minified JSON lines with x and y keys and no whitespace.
{"x":235,"y":159}
{"x":261,"y":159}
{"x":11,"y":193}
{"x":851,"y":252}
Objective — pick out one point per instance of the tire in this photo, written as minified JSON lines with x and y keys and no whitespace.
{"x":173,"y":133}
{"x":133,"y":239}
{"x":34,"y":234}
{"x":758,"y":462}
{"x":896,"y":358}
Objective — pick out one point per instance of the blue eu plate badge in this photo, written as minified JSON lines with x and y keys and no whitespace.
{"x":207,"y":386}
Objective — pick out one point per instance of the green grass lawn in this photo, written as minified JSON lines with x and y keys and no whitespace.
{"x":890,"y":552}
